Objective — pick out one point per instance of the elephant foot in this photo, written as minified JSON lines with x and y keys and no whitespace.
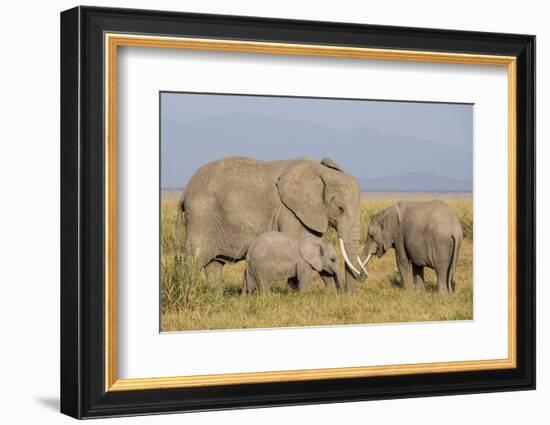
{"x":348,"y":289}
{"x":409,"y":286}
{"x":420,"y":287}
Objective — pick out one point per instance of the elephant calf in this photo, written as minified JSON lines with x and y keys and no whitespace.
{"x":276,"y":255}
{"x":423,"y":234}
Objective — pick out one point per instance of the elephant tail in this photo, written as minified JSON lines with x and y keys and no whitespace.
{"x":245,"y":282}
{"x":454,"y":262}
{"x":179,"y":224}
{"x":181,"y":203}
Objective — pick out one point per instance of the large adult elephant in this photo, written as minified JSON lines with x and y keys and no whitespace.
{"x":230,"y":202}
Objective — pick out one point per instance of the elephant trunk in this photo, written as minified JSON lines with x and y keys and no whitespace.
{"x":354,"y":269}
{"x":370,"y":250}
{"x":338,"y":281}
{"x":364,"y":263}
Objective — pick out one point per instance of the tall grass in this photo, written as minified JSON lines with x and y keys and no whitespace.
{"x":189,"y":302}
{"x":184,"y":288}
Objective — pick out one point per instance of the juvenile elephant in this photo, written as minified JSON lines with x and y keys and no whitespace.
{"x":276,"y":256}
{"x":423,"y":234}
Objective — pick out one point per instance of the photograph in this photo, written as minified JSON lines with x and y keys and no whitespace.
{"x":286,"y":211}
{"x":262,"y":211}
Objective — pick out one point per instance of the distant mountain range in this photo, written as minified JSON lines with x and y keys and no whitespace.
{"x":368,"y":153}
{"x":415,"y":183}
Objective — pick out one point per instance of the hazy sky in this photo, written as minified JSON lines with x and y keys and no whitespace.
{"x":370,"y":139}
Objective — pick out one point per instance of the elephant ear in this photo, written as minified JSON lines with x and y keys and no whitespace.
{"x":331,"y":163}
{"x":301,"y":190}
{"x":312,"y":252}
{"x":390,"y":226}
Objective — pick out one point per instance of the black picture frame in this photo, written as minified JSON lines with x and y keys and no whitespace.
{"x":83,"y":392}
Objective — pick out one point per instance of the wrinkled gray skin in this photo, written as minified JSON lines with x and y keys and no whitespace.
{"x":276,"y":256}
{"x":423,"y":234}
{"x":230,"y":202}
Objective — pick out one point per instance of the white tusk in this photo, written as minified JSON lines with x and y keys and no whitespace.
{"x":362,"y":266}
{"x":346,"y":258}
{"x":366,"y":261}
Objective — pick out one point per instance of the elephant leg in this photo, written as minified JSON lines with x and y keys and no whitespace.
{"x":405,"y":268}
{"x":304,"y":284}
{"x":196,"y":246}
{"x":331,"y":281}
{"x":214,"y":271}
{"x":350,"y":281}
{"x":418,"y":273}
{"x":451,"y":284}
{"x":303,"y":275}
{"x":441,"y":273}
{"x":205,"y":255}
{"x":192,"y":244}
{"x":251,"y":281}
{"x":442,"y":262}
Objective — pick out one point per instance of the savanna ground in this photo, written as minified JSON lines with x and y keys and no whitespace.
{"x":189,"y":302}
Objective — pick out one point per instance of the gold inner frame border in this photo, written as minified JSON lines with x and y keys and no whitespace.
{"x":112,"y":41}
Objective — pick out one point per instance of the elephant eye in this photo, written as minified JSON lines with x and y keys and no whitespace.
{"x":341,"y":209}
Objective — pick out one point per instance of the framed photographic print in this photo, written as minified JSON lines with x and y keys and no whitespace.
{"x":261,"y":212}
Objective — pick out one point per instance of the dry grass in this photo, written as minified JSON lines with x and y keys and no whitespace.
{"x":188,"y":302}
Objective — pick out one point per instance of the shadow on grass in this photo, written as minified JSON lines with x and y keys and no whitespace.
{"x":430,"y":286}
{"x":395,"y":282}
{"x":277,"y":289}
{"x":232,"y":291}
